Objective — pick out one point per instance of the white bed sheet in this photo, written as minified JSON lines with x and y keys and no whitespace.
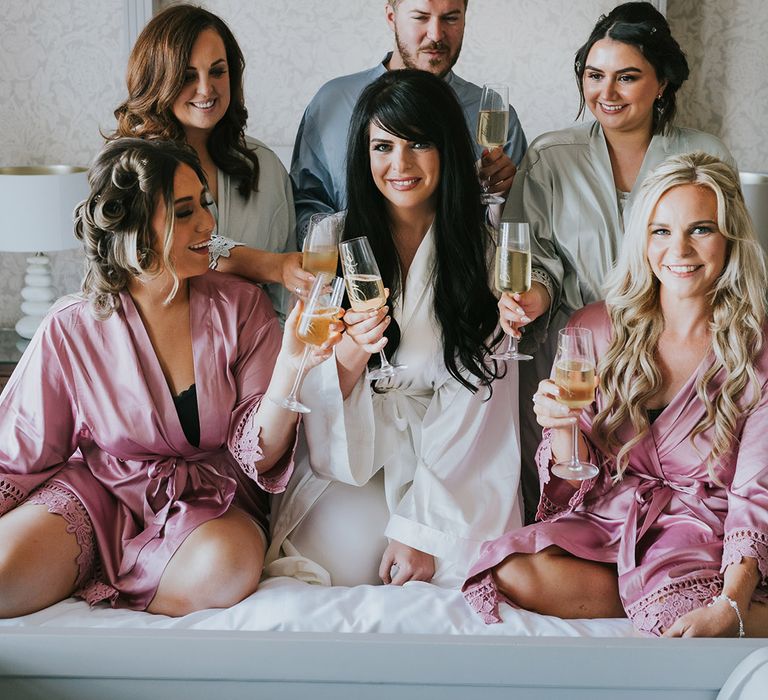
{"x":286,"y":604}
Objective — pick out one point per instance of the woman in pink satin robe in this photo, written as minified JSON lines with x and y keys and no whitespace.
{"x":135,"y":448}
{"x":673,"y":531}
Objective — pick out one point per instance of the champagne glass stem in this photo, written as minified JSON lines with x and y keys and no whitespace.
{"x":292,"y":396}
{"x":575,"y":444}
{"x":384,"y":361}
{"x":512,"y":345}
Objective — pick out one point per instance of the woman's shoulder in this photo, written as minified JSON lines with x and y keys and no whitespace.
{"x":554,"y":145}
{"x":595,"y":317}
{"x":267,"y":157}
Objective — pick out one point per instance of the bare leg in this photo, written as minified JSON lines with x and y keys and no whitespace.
{"x":217,"y":566}
{"x":553,"y":582}
{"x":38,"y":560}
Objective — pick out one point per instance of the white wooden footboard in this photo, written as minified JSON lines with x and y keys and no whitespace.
{"x":99,"y":664}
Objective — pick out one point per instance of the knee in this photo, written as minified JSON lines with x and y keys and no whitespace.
{"x":223,"y":564}
{"x":523,"y":578}
{"x":219,"y":571}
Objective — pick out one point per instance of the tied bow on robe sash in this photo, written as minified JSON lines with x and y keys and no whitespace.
{"x":168,"y":480}
{"x":652,"y":496}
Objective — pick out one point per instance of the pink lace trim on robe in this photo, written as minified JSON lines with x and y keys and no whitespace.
{"x":10,"y":496}
{"x":61,"y":501}
{"x":746,"y":543}
{"x":550,"y":509}
{"x":483,"y":597}
{"x":246,"y":449}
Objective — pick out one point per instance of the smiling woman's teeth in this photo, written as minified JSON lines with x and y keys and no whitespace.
{"x":204,"y":105}
{"x":682,"y":268}
{"x":197,"y":246}
{"x":612,"y":108}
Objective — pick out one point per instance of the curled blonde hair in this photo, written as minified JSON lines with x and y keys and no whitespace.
{"x":128,"y":179}
{"x":629,"y":373}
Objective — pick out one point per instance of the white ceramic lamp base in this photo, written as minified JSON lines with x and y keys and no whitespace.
{"x":38,"y":295}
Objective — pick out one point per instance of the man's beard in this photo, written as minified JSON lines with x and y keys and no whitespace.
{"x":410,"y":61}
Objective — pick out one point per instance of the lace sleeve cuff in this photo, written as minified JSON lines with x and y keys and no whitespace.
{"x":219,"y":247}
{"x":539,"y":275}
{"x":558,"y":497}
{"x":746,"y":543}
{"x":246,"y":449}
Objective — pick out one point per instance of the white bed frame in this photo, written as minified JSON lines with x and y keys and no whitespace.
{"x":103,"y":664}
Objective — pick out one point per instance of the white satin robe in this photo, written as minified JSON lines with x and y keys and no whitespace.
{"x":451,"y":458}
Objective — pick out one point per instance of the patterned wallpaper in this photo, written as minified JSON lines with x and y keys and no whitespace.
{"x":63,"y":71}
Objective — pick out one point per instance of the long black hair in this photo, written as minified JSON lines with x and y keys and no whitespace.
{"x":418,"y":106}
{"x":641,"y":25}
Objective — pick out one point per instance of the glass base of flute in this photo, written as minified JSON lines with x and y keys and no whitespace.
{"x":511,"y":353}
{"x":386,"y":370}
{"x":574,"y":469}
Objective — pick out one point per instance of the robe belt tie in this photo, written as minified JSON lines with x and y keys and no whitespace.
{"x":168,"y":478}
{"x":652,"y":496}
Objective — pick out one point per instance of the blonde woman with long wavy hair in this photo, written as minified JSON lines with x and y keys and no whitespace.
{"x":673,"y":531}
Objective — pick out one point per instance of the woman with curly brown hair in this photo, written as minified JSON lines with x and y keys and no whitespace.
{"x":136,"y":449}
{"x":185,"y":83}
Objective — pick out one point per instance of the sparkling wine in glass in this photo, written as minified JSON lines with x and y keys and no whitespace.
{"x":492,"y":125}
{"x":512,"y":272}
{"x":320,"y":252}
{"x":574,"y":374}
{"x":365,"y":289}
{"x":321,"y":309}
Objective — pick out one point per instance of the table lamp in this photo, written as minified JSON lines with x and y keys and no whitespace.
{"x":755,"y":189}
{"x":37,"y":206}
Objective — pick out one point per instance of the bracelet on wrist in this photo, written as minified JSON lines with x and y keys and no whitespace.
{"x":735,"y":607}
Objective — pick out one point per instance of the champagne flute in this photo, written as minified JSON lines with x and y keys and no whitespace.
{"x":365,"y":289}
{"x":321,"y":309}
{"x":492,"y":126}
{"x":513,"y":272}
{"x":574,"y":371}
{"x":320,"y":252}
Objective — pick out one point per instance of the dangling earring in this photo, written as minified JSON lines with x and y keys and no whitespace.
{"x":659,"y":105}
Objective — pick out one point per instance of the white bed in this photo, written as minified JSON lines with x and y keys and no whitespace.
{"x":292,"y":640}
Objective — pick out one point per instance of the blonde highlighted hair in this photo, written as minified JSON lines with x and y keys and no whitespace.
{"x":128,"y":178}
{"x":629,"y":374}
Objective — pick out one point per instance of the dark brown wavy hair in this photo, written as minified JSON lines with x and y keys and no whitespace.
{"x":155,"y":77}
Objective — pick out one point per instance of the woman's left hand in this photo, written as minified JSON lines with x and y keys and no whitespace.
{"x":412,"y":564}
{"x":293,"y":348}
{"x":293,"y":276}
{"x":718,"y":621}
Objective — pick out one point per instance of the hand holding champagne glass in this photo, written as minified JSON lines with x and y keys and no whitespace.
{"x":365,"y":289}
{"x":513,"y":272}
{"x":492,"y":125}
{"x":321,"y":246}
{"x":574,"y":375}
{"x":321,"y":310}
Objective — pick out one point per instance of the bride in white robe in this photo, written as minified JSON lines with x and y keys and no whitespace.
{"x":417,"y":471}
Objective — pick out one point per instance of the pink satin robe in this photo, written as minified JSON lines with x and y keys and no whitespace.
{"x":89,"y":407}
{"x":669,"y":529}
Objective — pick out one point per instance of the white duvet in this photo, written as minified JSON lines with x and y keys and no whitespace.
{"x":285,"y":604}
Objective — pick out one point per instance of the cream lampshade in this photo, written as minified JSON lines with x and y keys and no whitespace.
{"x":755,"y":188}
{"x":37,"y":204}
